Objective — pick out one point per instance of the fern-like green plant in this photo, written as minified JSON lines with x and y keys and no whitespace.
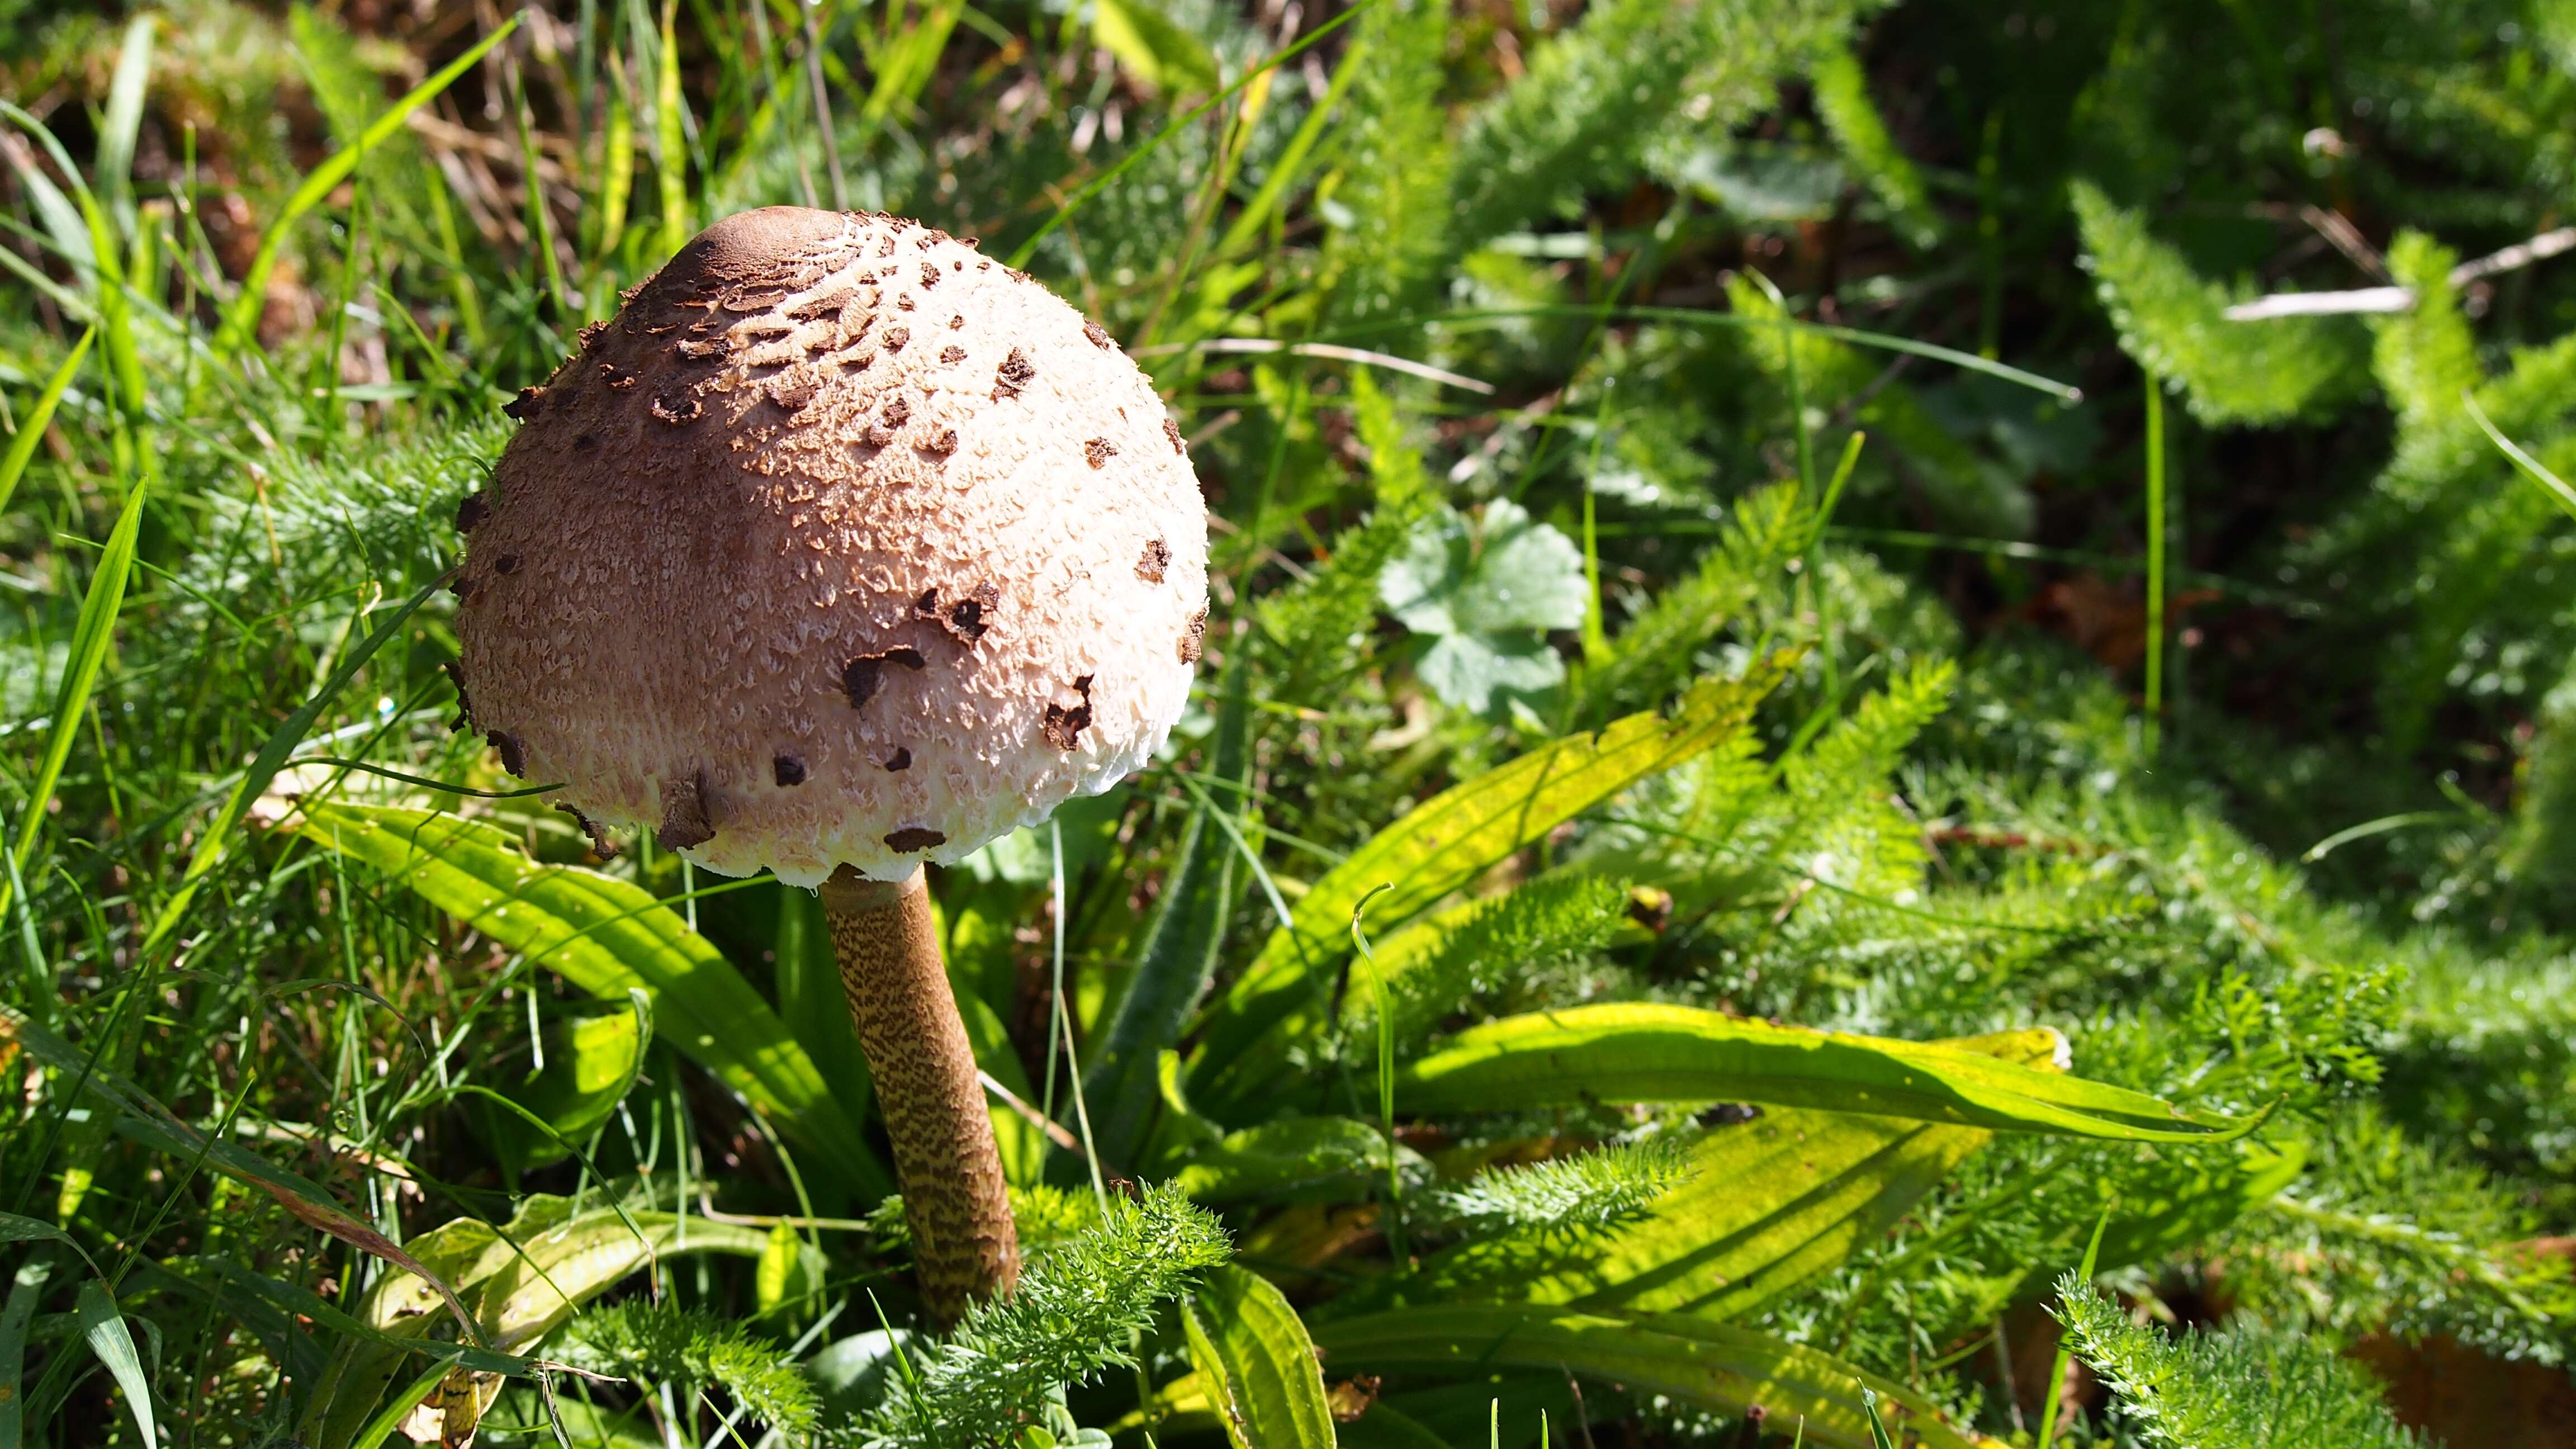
{"x":2242,"y":1389}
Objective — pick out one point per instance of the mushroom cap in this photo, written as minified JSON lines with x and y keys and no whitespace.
{"x":841,"y":544}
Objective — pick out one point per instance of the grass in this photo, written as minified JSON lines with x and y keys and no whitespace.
{"x":354,"y":1096}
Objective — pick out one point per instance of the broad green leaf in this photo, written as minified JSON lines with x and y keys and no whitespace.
{"x":522,"y":1279}
{"x":1383,"y":1426}
{"x":1293,"y":1156}
{"x":590,"y":1063}
{"x":241,"y":321}
{"x":16,"y":1229}
{"x":1257,"y":1363}
{"x":608,"y":936}
{"x":1706,"y":1365}
{"x":1770,"y":1204}
{"x":1153,"y":47}
{"x":1624,"y":1052}
{"x":1484,"y":592}
{"x":105,"y":1331}
{"x":1437,"y":848}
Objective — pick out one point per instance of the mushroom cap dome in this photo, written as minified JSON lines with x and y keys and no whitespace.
{"x":841,"y":544}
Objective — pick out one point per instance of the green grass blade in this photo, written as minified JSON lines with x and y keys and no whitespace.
{"x":264,"y":766}
{"x":608,"y":936}
{"x":15,"y":1315}
{"x":113,"y":176}
{"x":241,"y":321}
{"x":155,"y":1126}
{"x":91,"y":635}
{"x":31,"y":428}
{"x":105,"y":1331}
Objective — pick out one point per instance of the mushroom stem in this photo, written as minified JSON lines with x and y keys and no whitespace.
{"x":965,"y":1246}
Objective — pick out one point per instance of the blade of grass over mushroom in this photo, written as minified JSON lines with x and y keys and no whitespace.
{"x":606,"y":936}
{"x":1705,"y":1365}
{"x":1439,"y":847}
{"x":241,"y":321}
{"x":1638,"y":1052}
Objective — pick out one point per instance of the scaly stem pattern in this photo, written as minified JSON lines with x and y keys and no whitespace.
{"x":965,"y":1246}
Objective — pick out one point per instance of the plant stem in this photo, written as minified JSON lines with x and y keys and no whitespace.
{"x":965,"y":1246}
{"x":2155,"y":559}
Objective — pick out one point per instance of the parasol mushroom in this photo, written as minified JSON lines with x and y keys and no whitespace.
{"x":840,"y":549}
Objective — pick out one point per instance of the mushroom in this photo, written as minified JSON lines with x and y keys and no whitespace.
{"x":805,"y":600}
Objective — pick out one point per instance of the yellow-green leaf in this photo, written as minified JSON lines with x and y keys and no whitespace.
{"x":1625,"y":1052}
{"x":1438,"y":847}
{"x":1687,"y":1359}
{"x":1154,"y":48}
{"x":1257,"y":1363}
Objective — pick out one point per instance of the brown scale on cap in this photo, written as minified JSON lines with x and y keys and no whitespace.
{"x":472,"y":509}
{"x":930,"y":274}
{"x":525,"y":405}
{"x":787,"y":769}
{"x":684,"y":813}
{"x":952,"y":353}
{"x":1099,"y":451}
{"x":864,"y":675}
{"x":506,"y":564}
{"x":514,"y":756}
{"x":1156,"y":558}
{"x":1172,"y":430}
{"x":1194,"y":638}
{"x":1063,"y":727}
{"x":970,"y":617}
{"x":732,"y":500}
{"x":588,"y":334}
{"x":913,"y":839}
{"x":600,"y":843}
{"x":1015,"y":373}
